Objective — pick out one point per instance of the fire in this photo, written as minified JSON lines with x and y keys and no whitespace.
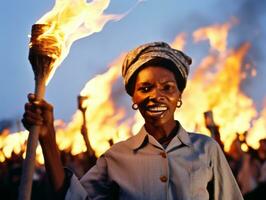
{"x":258,"y":130}
{"x":179,"y":41}
{"x":103,"y":118}
{"x":12,"y":143}
{"x":214,"y":85}
{"x":70,"y":20}
{"x":216,"y":34}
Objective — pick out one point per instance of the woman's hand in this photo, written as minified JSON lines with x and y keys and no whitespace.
{"x":39,"y":113}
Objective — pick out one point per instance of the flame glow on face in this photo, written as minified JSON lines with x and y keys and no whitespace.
{"x":156,"y":94}
{"x":214,"y":85}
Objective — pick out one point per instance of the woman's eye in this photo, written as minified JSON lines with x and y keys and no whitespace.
{"x":144,"y":89}
{"x":167,"y":87}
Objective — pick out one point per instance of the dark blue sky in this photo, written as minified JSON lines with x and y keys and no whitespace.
{"x":151,"y":20}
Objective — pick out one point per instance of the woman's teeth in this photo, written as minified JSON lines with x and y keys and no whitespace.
{"x":157,"y":109}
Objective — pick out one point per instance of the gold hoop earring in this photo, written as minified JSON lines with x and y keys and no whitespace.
{"x":135,"y":106}
{"x":179,"y":103}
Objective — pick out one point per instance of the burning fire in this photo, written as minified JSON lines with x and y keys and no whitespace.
{"x":103,"y":118}
{"x":179,"y":41}
{"x":216,"y":34}
{"x":70,"y":20}
{"x":215,"y":85}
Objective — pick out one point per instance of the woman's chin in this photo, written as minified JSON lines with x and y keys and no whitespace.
{"x":157,"y":118}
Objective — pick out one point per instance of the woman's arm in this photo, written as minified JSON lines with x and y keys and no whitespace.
{"x":225,"y":186}
{"x":41,"y":113}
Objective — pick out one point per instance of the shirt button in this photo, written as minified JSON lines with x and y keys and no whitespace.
{"x":163,"y":178}
{"x":163,"y":154}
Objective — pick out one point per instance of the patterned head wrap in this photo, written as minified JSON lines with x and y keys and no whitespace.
{"x":151,"y":51}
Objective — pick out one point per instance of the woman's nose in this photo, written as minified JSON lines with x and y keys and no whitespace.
{"x":157,"y":95}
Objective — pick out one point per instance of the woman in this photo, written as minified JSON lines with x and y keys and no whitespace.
{"x":162,"y":161}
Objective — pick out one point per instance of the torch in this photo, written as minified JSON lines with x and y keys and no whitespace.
{"x":84,"y":131}
{"x":51,"y":39}
{"x":213,"y":128}
{"x":43,"y":52}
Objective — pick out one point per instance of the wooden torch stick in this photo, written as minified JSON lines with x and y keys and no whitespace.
{"x":43,"y":52}
{"x":84,"y":129}
{"x":29,"y":163}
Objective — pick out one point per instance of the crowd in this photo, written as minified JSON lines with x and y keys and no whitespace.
{"x":248,"y":167}
{"x":10,"y":173}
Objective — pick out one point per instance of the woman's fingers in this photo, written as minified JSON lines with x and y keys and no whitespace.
{"x":37,"y":113}
{"x":32,"y":118}
{"x":33,"y":113}
{"x":31,"y":97}
{"x":42,"y":104}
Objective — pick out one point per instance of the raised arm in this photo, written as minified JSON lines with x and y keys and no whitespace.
{"x":41,"y":113}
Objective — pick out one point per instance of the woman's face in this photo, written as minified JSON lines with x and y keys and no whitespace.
{"x":156,"y":94}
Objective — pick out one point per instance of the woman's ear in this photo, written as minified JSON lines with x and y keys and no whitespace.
{"x":132,"y":99}
{"x":134,"y":105}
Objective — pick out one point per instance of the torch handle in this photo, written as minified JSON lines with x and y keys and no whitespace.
{"x":29,"y":162}
{"x":90,"y":151}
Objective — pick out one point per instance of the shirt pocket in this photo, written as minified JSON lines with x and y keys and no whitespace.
{"x":199,"y":181}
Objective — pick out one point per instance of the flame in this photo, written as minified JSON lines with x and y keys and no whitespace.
{"x":103,"y":119}
{"x":179,"y":41}
{"x":258,"y":130}
{"x":70,"y":20}
{"x":216,"y":34}
{"x":12,"y":143}
{"x":244,"y":147}
{"x":214,"y":85}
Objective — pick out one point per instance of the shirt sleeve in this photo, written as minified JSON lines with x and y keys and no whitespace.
{"x":225,"y":185}
{"x":94,"y":184}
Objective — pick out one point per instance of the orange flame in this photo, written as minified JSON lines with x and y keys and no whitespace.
{"x":216,"y":34}
{"x":216,"y":86}
{"x":71,"y":20}
{"x":258,"y":130}
{"x":102,"y":116}
{"x":12,"y":143}
{"x":179,"y":41}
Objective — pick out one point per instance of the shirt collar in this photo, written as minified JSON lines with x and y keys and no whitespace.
{"x":183,"y":136}
{"x":141,"y":139}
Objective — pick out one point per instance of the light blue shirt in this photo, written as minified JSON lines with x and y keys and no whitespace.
{"x":192,"y":167}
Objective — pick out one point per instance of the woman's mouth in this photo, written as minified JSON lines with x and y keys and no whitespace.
{"x":156,"y":111}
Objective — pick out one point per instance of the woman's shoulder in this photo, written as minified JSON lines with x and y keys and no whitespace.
{"x":126,"y":145}
{"x":203,"y":140}
{"x":195,"y":136}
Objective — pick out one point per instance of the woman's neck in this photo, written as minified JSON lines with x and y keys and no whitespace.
{"x":160,"y":131}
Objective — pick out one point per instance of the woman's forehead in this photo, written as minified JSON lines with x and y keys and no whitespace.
{"x":159,"y":73}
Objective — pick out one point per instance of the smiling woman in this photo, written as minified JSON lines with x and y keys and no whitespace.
{"x":156,"y":94}
{"x":163,"y":161}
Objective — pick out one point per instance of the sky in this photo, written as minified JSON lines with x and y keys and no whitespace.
{"x":150,"y":20}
